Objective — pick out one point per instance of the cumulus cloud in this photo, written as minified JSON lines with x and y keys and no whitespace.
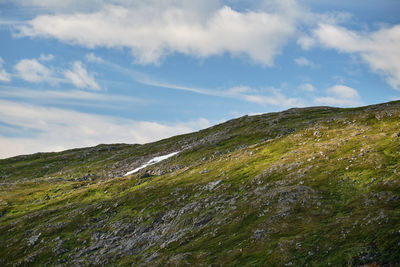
{"x":153,"y":31}
{"x":32,"y":71}
{"x":340,"y":95}
{"x":4,"y":75}
{"x":80,"y":77}
{"x":379,"y":49}
{"x":55,"y":129}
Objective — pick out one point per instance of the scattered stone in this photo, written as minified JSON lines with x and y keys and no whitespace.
{"x":212,"y":185}
{"x":151,"y":257}
{"x":145,"y":175}
{"x":317,"y":133}
{"x":33,"y":239}
{"x":259,"y":234}
{"x":203,"y":220}
{"x":204,"y":171}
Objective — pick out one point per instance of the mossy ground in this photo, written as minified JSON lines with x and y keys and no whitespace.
{"x":313,"y":187}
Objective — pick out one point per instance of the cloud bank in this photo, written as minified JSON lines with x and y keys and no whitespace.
{"x":55,"y":129}
{"x":153,"y":31}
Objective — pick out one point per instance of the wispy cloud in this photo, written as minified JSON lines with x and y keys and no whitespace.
{"x":302,"y":61}
{"x":307,"y":87}
{"x":275,"y":97}
{"x":379,"y":49}
{"x":91,"y":57}
{"x":64,"y":96}
{"x":4,"y":75}
{"x":46,"y":57}
{"x":54,"y":129}
{"x":340,"y":95}
{"x":80,"y":77}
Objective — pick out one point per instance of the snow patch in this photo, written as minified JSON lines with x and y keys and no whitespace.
{"x":151,"y":162}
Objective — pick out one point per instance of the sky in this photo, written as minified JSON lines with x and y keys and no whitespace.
{"x":79,"y":73}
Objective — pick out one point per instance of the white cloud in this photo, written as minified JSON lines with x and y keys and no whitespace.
{"x":343,"y":91}
{"x":307,"y":87}
{"x":302,"y":61}
{"x":58,"y":129}
{"x":93,"y":58}
{"x":80,"y":77}
{"x":32,"y":71}
{"x":4,"y":75}
{"x":75,"y":97}
{"x":48,"y":57}
{"x":379,"y":49}
{"x":57,"y":5}
{"x":275,"y":99}
{"x":340,"y":95}
{"x":155,"y":29}
{"x":306,"y":42}
{"x":246,"y":93}
{"x":242,"y":92}
{"x":239,"y":90}
{"x":74,"y":6}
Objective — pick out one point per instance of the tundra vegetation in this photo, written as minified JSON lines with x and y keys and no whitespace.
{"x":312,"y":186}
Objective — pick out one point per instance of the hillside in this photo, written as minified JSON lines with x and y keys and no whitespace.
{"x":308,"y":186}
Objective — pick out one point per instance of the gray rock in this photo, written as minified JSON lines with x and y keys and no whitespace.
{"x":33,"y":239}
{"x":259,"y":234}
{"x":145,"y":175}
{"x":212,"y":185}
{"x":204,"y":171}
{"x":203,"y":220}
{"x":317,"y":133}
{"x":151,"y":257}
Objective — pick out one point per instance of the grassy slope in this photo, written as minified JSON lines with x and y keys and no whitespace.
{"x":315,"y":186}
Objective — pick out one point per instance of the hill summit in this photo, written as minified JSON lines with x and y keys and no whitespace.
{"x":313,"y":186}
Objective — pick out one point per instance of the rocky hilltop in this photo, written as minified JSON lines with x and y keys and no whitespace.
{"x":313,"y":186}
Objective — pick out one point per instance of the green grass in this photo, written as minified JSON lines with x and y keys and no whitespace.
{"x":321,"y":200}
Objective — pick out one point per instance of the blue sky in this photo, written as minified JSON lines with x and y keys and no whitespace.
{"x":76,"y":74}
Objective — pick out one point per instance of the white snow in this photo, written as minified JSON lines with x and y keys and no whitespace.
{"x":151,"y":162}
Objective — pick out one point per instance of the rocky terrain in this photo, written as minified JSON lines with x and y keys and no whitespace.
{"x":304,"y":187}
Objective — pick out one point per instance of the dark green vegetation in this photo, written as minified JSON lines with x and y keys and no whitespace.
{"x":314,"y":186}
